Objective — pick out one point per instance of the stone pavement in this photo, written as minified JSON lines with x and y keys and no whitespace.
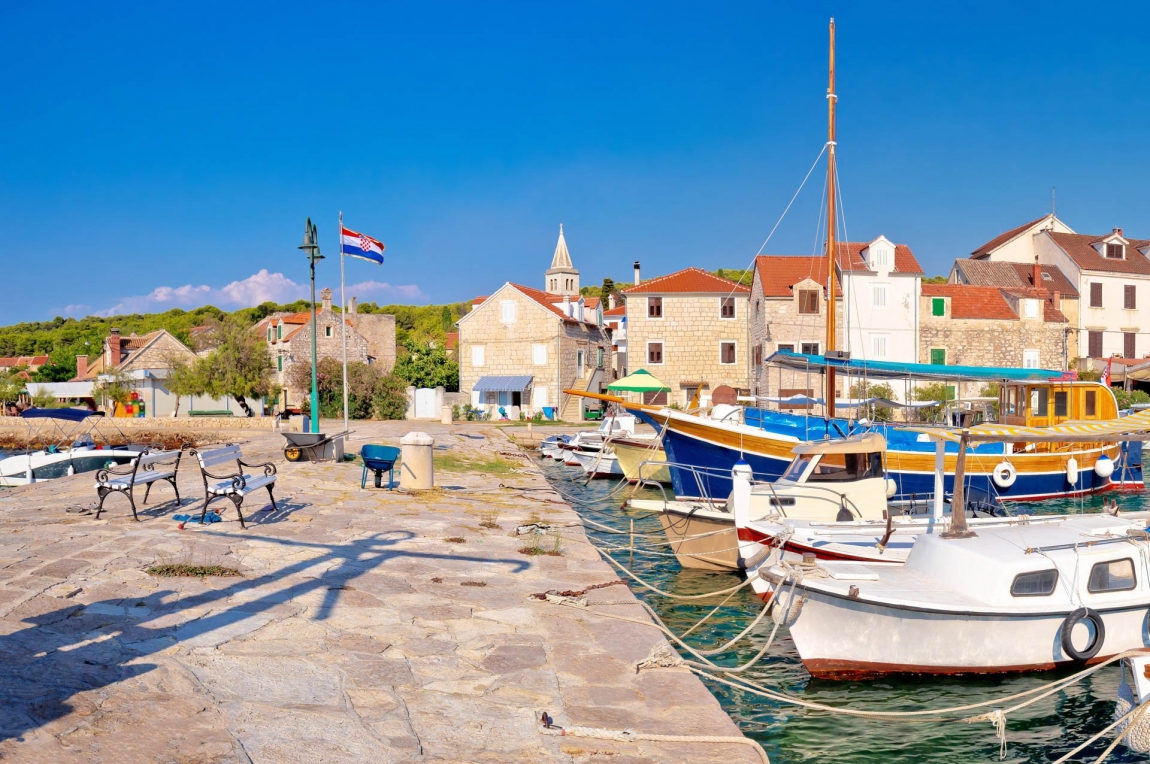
{"x":357,"y":632}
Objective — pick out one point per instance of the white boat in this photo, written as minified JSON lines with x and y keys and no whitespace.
{"x":82,"y":455}
{"x":598,"y":464}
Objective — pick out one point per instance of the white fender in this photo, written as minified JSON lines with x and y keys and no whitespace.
{"x":1004,"y":474}
{"x":891,"y":487}
{"x":1072,"y":471}
{"x":1104,"y":467}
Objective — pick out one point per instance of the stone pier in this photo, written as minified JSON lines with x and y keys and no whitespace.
{"x":366,"y":625}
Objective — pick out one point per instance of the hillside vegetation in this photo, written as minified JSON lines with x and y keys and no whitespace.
{"x":62,"y":339}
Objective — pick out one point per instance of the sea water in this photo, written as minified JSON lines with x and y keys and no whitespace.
{"x":1040,"y":733}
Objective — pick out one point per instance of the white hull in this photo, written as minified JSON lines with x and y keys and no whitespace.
{"x":598,"y":464}
{"x":14,"y":470}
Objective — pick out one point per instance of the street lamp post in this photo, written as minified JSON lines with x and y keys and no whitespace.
{"x":310,"y":247}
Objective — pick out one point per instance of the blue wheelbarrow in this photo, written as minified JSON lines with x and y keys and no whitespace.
{"x":378,"y":459}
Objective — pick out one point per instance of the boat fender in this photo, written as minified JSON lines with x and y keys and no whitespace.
{"x":1005,"y":474}
{"x":891,"y":487}
{"x":1072,"y":471}
{"x":1104,"y":467}
{"x":1083,"y":613}
{"x":787,"y":607}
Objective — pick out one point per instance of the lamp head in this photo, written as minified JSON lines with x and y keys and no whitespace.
{"x":310,"y":244}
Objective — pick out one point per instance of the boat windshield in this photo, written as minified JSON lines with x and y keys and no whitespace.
{"x":795,"y":472}
{"x":833,"y":467}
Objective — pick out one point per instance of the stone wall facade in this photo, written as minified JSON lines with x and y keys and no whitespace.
{"x":691,"y":331}
{"x":378,"y":330}
{"x":776,"y":322}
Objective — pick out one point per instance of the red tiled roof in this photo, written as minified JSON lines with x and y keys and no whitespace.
{"x":479,"y":300}
{"x":1077,"y":247}
{"x":779,"y":273}
{"x":993,"y":273}
{"x":618,"y":311}
{"x":134,"y":342}
{"x":23,"y":360}
{"x":850,"y":257}
{"x":549,"y":301}
{"x":451,"y":341}
{"x":688,"y":281}
{"x":591,"y":302}
{"x":972,"y":301}
{"x":1049,"y":312}
{"x":1002,"y":238}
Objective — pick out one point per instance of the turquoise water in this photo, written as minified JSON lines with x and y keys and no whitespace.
{"x":1040,"y":733}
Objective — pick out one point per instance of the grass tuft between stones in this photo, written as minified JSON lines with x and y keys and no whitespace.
{"x":473,"y":583}
{"x":455,"y":539}
{"x":174,"y":570}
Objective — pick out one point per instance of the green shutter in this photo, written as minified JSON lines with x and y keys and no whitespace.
{"x":279,"y":363}
{"x":938,"y":357}
{"x":938,"y":306}
{"x":280,"y":332}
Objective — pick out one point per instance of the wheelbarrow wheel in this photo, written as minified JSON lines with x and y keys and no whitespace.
{"x":292,"y":453}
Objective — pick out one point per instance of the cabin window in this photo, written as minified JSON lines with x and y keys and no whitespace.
{"x":654,"y":352}
{"x":809,"y":301}
{"x":1129,"y":344}
{"x":1094,"y":343}
{"x":851,"y":467}
{"x":797,"y":468}
{"x":1012,"y":400}
{"x":1095,"y":295}
{"x":1114,"y":251}
{"x":654,"y":307}
{"x":1113,"y":576}
{"x":727,"y":307}
{"x":1130,"y":297}
{"x":938,"y":356}
{"x":938,"y":306}
{"x":1091,"y":403}
{"x":1038,"y":584}
{"x":1062,"y":404}
{"x":1039,"y":401}
{"x":726,"y":352}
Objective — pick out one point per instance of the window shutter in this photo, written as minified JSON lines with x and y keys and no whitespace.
{"x":1129,"y":344}
{"x":1130,"y":295}
{"x":1096,"y":295}
{"x":938,"y":306}
{"x":1094,"y":344}
{"x":938,"y":356}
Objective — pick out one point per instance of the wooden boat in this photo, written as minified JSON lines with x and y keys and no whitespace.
{"x":639,"y":458}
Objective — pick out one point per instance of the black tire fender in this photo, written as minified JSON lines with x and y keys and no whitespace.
{"x":1072,"y":620}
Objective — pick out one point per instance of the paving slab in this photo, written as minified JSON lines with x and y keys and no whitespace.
{"x":356,"y":630}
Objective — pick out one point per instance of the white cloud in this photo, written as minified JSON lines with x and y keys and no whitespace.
{"x":255,"y":289}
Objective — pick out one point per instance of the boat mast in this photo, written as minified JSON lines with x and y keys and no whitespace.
{"x":830,"y":339}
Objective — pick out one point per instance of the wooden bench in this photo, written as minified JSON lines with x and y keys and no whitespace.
{"x":234,"y":486}
{"x":140,"y":471}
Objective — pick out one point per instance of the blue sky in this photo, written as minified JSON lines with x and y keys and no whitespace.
{"x":162,"y":155}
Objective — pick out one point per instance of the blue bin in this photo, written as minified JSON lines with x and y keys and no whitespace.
{"x":549,"y":412}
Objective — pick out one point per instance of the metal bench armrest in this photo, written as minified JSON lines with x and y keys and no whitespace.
{"x":268,"y":467}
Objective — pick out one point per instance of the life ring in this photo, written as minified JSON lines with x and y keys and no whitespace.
{"x":1072,"y":471}
{"x":1004,"y":474}
{"x":1089,"y":614}
{"x":1104,"y":467}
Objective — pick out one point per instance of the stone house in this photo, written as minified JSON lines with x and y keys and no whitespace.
{"x":147,"y":360}
{"x":521,"y":347}
{"x":1110,"y":273}
{"x":688,"y":329}
{"x":788,"y":308}
{"x":969,"y":325}
{"x":615,"y":319}
{"x":370,"y":339}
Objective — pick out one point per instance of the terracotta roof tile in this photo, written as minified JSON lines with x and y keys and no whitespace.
{"x":591,"y":302}
{"x":617,"y":311}
{"x":779,"y":273}
{"x":688,"y":281}
{"x":850,"y":257}
{"x":23,"y":360}
{"x":972,"y":301}
{"x":1002,"y":238}
{"x":1078,"y":247}
{"x":999,"y":274}
{"x":549,"y":301}
{"x":451,"y":340}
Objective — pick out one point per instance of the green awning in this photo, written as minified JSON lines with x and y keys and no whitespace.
{"x":639,"y":382}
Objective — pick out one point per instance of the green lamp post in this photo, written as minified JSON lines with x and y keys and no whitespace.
{"x":310,"y":247}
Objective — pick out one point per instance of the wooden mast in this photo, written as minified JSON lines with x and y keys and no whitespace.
{"x":829,"y":345}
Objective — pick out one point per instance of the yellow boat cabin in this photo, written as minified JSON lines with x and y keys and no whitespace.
{"x":1041,"y":404}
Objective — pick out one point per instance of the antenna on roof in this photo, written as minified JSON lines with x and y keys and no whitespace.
{"x":1052,"y":198}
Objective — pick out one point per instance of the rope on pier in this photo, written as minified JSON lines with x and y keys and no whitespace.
{"x":630,"y":736}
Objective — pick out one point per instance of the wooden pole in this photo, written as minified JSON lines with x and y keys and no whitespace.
{"x":831,"y":194}
{"x":958,"y":528}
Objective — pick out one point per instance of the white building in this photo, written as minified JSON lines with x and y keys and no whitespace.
{"x":1110,"y":272}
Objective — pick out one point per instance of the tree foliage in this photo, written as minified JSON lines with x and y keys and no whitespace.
{"x":1128,"y":399}
{"x":935,"y":391}
{"x":11,"y":386}
{"x":421,"y":323}
{"x":744,"y":277}
{"x":371,"y":394}
{"x":112,"y":388}
{"x":238,"y":365}
{"x":422,"y":365}
{"x":871,"y":411}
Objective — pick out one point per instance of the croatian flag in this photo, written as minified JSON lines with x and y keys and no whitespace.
{"x":362,"y":246}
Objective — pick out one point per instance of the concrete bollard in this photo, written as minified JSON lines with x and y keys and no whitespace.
{"x":417,"y":473}
{"x":445,"y":415}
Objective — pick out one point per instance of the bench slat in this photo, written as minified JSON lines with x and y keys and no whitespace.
{"x":252,"y":483}
{"x":157,"y":456}
{"x":218,"y":456}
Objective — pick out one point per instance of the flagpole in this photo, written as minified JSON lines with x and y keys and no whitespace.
{"x":343,"y":327}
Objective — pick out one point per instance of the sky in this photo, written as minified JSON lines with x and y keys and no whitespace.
{"x":159,"y":155}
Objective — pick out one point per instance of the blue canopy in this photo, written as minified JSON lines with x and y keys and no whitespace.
{"x":68,"y":415}
{"x":506,"y":384}
{"x":895,"y":370}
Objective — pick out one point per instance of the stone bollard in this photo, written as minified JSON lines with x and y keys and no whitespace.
{"x":445,"y":415}
{"x":416,"y":473}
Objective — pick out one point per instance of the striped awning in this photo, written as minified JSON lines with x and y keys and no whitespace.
{"x":505,"y":384}
{"x":1133,"y":427}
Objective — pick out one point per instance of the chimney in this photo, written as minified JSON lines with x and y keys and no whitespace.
{"x":611,"y":301}
{"x":567,"y":305}
{"x":1057,"y":300}
{"x":1036,"y":276}
{"x":325,"y":295}
{"x":636,"y":273}
{"x":81,"y":366}
{"x":1117,"y":231}
{"x":114,"y":349}
{"x":351,"y":306}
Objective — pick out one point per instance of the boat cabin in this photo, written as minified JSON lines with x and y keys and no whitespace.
{"x":1042,"y":404}
{"x":831,"y":480}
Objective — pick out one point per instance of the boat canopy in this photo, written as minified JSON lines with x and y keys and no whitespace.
{"x":842,"y":403}
{"x":642,"y":381}
{"x":868,"y":443}
{"x":896,"y":370}
{"x":68,"y":415}
{"x":1133,"y":427}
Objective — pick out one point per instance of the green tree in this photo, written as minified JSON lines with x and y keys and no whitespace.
{"x":935,"y":279}
{"x":1128,"y":399}
{"x":370,"y":393}
{"x":871,"y":411}
{"x":422,"y":365}
{"x":935,"y":391}
{"x":390,"y":399}
{"x":112,"y":388}
{"x":238,"y":365}
{"x":185,"y":377}
{"x":744,"y":277}
{"x":990,"y":390}
{"x":11,"y":386}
